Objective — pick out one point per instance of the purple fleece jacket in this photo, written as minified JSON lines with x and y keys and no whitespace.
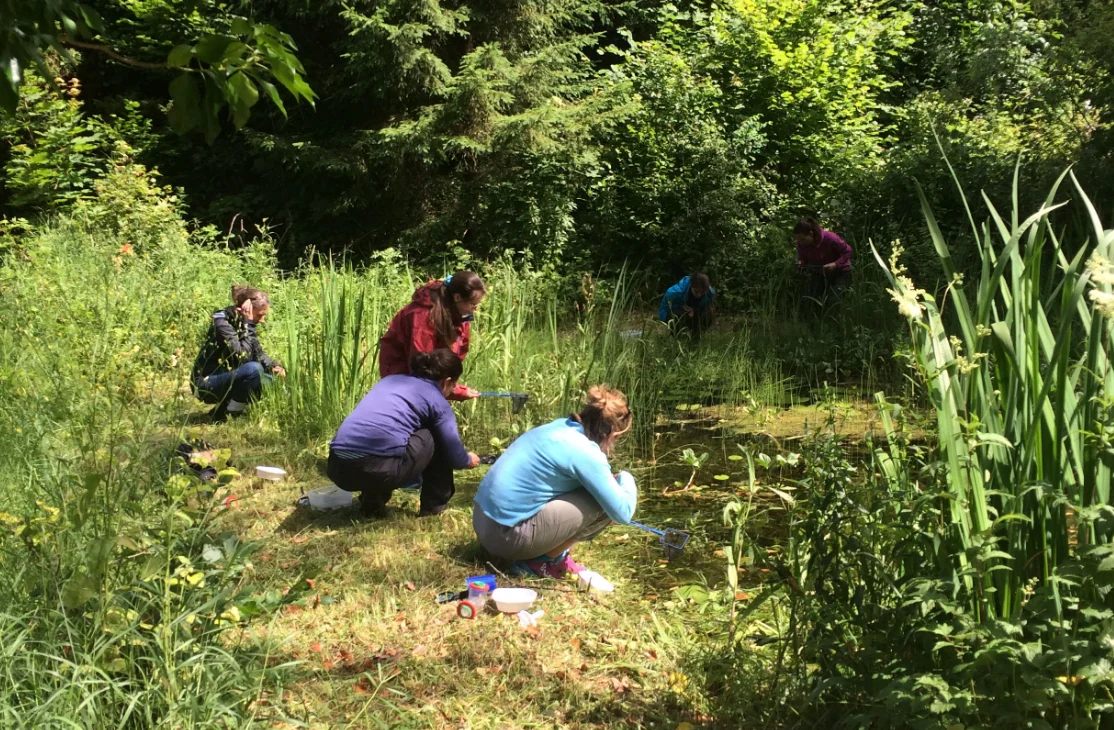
{"x":832,"y":249}
{"x":392,"y":411}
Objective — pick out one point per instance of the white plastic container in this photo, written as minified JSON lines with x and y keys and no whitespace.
{"x":329,"y":497}
{"x":591,"y":580}
{"x":513,"y":600}
{"x":270,"y":473}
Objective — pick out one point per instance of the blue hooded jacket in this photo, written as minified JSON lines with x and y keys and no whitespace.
{"x":673,"y":303}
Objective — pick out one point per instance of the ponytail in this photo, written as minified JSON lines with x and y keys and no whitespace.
{"x":443,"y":313}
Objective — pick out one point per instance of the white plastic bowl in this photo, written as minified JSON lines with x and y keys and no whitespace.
{"x":270,"y":473}
{"x":592,"y":580}
{"x":513,"y":600}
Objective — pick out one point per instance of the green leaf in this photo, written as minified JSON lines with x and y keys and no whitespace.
{"x":244,"y":89}
{"x":180,"y":56}
{"x":185,"y":111}
{"x":273,"y":93}
{"x":97,"y":554}
{"x":721,"y":477}
{"x":210,"y":48}
{"x":234,"y":52}
{"x":78,"y":590}
{"x":697,"y":593}
{"x":152,"y":566}
{"x":241,"y":26}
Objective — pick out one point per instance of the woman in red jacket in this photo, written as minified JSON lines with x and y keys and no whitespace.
{"x":439,"y":315}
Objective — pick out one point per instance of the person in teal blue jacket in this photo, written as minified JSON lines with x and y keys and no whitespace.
{"x":689,"y":304}
{"x":553,"y":487}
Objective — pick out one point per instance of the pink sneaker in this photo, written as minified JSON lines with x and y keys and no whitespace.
{"x":558,"y":567}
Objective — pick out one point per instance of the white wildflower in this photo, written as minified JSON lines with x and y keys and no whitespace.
{"x":1101,"y":269}
{"x":907,"y":303}
{"x":1104,"y":302}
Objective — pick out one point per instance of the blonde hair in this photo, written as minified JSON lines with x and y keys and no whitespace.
{"x":605,"y":412}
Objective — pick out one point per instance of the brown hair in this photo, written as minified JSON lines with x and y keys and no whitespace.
{"x":700,"y":279}
{"x":808,"y":225}
{"x":605,"y":412}
{"x":241,"y":293}
{"x":436,"y":365}
{"x":443,"y":313}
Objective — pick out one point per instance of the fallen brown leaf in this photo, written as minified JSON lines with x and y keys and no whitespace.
{"x":346,"y":656}
{"x":619,"y":684}
{"x":363,"y":686}
{"x":328,"y":664}
{"x":410,"y":586}
{"x":311,"y":583}
{"x":742,"y":596}
{"x":298,"y":539}
{"x":576,"y":643}
{"x":292,"y":610}
{"x":316,"y":647}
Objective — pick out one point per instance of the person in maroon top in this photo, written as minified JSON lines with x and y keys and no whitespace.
{"x":825,"y":260}
{"x":438,"y":316}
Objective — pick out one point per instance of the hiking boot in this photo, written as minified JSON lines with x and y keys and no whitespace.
{"x":432,"y":511}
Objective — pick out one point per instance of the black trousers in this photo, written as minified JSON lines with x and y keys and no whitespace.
{"x":376,"y":477}
{"x":823,"y":291}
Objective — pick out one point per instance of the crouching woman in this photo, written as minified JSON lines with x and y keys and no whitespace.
{"x":231,"y":367}
{"x":553,"y":488}
{"x":403,"y":429}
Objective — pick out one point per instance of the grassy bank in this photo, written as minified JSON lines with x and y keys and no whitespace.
{"x":134,"y":598}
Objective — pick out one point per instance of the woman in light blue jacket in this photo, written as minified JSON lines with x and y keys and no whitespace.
{"x":553,"y":488}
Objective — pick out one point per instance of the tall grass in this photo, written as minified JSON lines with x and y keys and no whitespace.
{"x":526,"y":338}
{"x":117,"y":587}
{"x":1021,"y":381}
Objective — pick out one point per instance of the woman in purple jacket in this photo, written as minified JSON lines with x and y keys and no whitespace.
{"x":403,"y":429}
{"x":825,"y":260}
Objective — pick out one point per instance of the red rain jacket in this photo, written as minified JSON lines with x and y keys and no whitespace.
{"x":411,"y":331}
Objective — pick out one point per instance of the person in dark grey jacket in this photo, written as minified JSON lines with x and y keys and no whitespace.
{"x":232,"y":368}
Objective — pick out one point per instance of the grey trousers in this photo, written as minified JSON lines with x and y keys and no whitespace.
{"x":575,"y":516}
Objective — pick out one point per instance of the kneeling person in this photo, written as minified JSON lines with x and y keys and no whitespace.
{"x":553,"y":488}
{"x":403,"y":429}
{"x":690,"y":304}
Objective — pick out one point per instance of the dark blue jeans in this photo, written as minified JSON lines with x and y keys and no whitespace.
{"x":243,"y":384}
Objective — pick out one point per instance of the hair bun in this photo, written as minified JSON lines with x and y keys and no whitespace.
{"x":611,"y":403}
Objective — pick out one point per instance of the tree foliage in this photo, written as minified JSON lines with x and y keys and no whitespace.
{"x":587,"y":132}
{"x":230,"y":64}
